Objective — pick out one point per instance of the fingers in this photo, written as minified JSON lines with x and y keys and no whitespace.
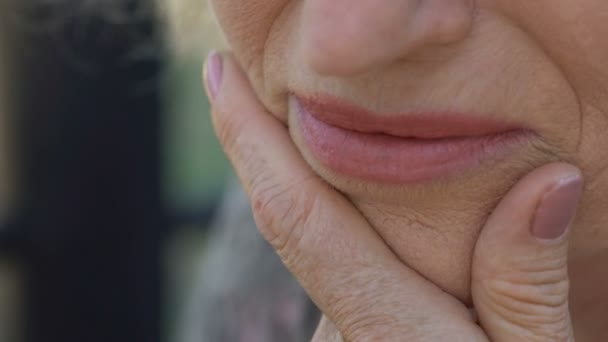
{"x":520,"y":278}
{"x":338,"y":258}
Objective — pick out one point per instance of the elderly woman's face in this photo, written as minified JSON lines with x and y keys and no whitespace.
{"x":424,"y":113}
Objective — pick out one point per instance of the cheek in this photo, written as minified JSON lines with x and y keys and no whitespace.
{"x":246,"y":25}
{"x":256,"y":32}
{"x":572,"y":34}
{"x":591,"y":153}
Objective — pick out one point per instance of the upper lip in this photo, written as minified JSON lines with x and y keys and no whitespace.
{"x":414,"y":125}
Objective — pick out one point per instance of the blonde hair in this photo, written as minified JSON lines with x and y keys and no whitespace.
{"x":191,"y":25}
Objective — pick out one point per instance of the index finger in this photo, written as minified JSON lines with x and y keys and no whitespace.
{"x":343,"y":264}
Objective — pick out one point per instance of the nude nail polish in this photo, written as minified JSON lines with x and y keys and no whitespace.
{"x":557,"y":209}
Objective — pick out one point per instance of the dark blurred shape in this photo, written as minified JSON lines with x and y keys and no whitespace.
{"x":90,"y":225}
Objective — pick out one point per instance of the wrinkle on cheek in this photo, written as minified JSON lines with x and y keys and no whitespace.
{"x":591,"y":154}
{"x":597,"y":176}
{"x":273,"y":68}
{"x":246,"y":25}
{"x":599,"y":179}
{"x":579,"y":53}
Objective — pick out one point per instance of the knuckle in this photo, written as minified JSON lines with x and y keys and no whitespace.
{"x":360,"y":322}
{"x":377,"y":313}
{"x":361,"y":325}
{"x":390,"y":328}
{"x":534,"y":299}
{"x":538,"y":280}
{"x":281,"y":212}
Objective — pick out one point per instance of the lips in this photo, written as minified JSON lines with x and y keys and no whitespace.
{"x":403,"y":147}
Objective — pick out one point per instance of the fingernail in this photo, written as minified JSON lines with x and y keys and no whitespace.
{"x":213,"y":73}
{"x":557,"y":209}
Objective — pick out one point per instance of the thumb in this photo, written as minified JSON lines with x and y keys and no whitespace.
{"x":520,"y":278}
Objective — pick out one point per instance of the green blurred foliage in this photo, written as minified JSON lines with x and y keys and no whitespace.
{"x":195,"y":167}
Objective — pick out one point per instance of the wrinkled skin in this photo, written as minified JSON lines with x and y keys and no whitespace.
{"x":541,"y":64}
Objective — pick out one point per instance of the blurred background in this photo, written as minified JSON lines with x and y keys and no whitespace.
{"x":109,"y":172}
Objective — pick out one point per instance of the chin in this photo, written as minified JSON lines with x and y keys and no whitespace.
{"x":432,"y":225}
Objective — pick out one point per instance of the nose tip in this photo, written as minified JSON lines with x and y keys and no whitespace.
{"x":347,"y":37}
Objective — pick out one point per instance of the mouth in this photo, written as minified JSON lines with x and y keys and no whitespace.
{"x":401,"y":148}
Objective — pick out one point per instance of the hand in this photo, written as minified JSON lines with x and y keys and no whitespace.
{"x":519,"y":277}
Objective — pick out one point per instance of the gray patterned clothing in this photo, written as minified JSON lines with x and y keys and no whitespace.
{"x":244,"y":293}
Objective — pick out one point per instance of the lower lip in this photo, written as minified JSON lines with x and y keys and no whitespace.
{"x":396,"y":160}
